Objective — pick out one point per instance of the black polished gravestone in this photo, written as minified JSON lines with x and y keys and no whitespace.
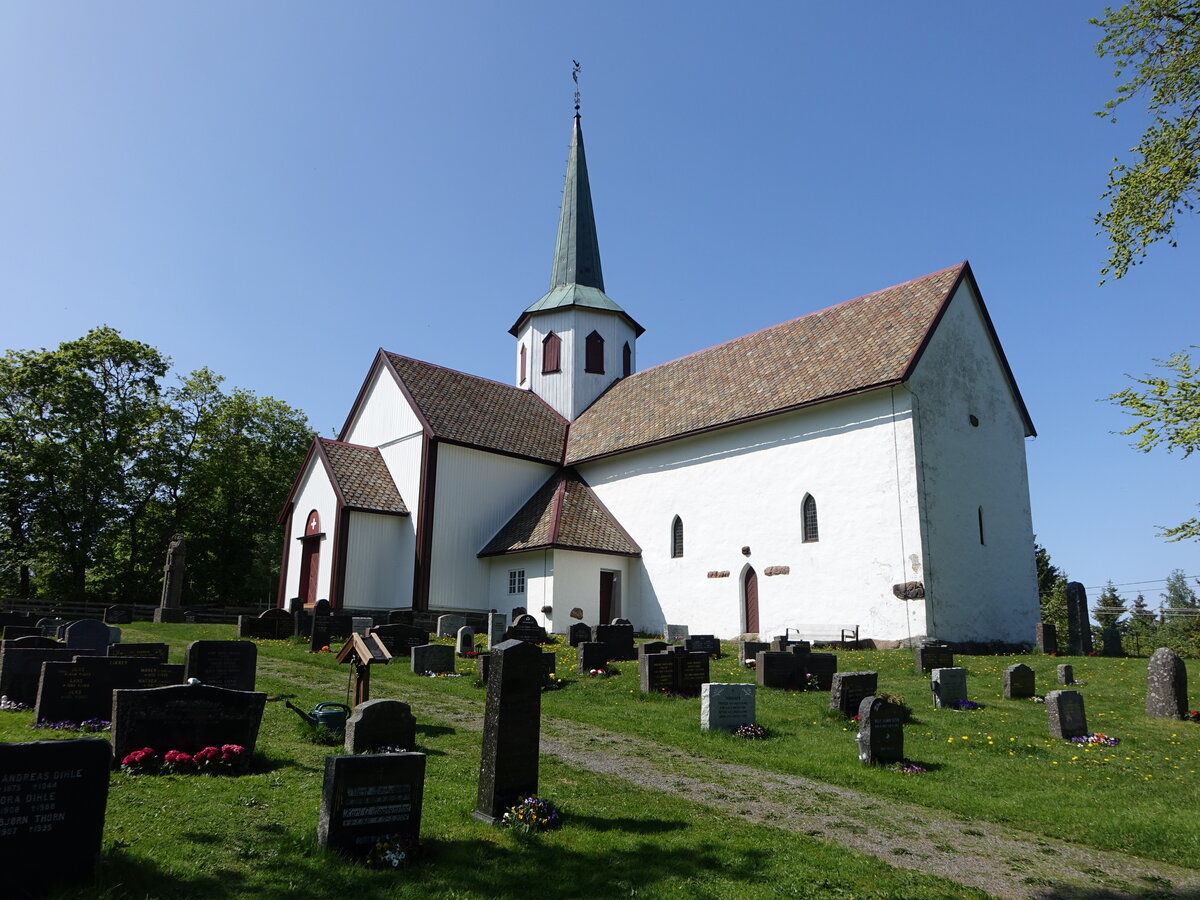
{"x":87,"y":634}
{"x":52,"y":802}
{"x":400,"y":639}
{"x":380,"y":723}
{"x":578,"y":634}
{"x":818,"y":668}
{"x":526,"y":628}
{"x":703,"y":643}
{"x":849,"y":689}
{"x":483,"y":664}
{"x":156,"y":652}
{"x":1079,"y":628}
{"x":400,"y":617}
{"x":618,"y":639}
{"x":226,"y":664}
{"x":33,"y":641}
{"x":748,"y":650}
{"x":21,"y":669}
{"x":675,"y":671}
{"x":1166,"y":685}
{"x":1046,"y":637}
{"x":933,"y":656}
{"x":82,"y":690}
{"x":644,"y":649}
{"x":591,"y":656}
{"x":774,"y":669}
{"x":13,"y":632}
{"x":301,"y":620}
{"x":118,"y":615}
{"x":367,"y":799}
{"x":270,"y":625}
{"x":1019,"y":681}
{"x":880,"y":731}
{"x":1065,"y":716}
{"x":508,"y":767}
{"x":187,"y":717}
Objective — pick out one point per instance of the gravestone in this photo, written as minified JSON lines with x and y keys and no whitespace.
{"x":400,"y":639}
{"x":52,"y":803}
{"x":226,"y":664}
{"x":432,"y":658}
{"x":83,"y":689}
{"x":483,"y":662}
{"x":187,"y":717}
{"x":21,"y":669}
{"x":465,"y":640}
{"x":673,"y":634}
{"x":1066,"y":674}
{"x":301,"y":620}
{"x":448,"y":625}
{"x":849,"y":689}
{"x":1064,"y":714}
{"x":749,"y":650}
{"x":114,"y":635}
{"x":526,"y":628}
{"x":820,"y":666}
{"x":723,"y":707}
{"x":578,"y":634}
{"x":367,"y":799}
{"x":381,"y":723}
{"x":1079,"y":628}
{"x":118,"y":615}
{"x":782,"y":644}
{"x":933,"y":656}
{"x":88,"y":634}
{"x":949,"y":685}
{"x":1047,"y":638}
{"x":703,"y":643}
{"x":652,"y":647}
{"x":1018,"y":682}
{"x":880,"y":732}
{"x":618,"y":639}
{"x":156,"y":652}
{"x":400,"y":617}
{"x":591,"y":655}
{"x":34,"y":641}
{"x":269,"y":625}
{"x":1166,"y":685}
{"x":319,"y":633}
{"x":1111,"y":641}
{"x":777,"y":670}
{"x":508,"y":767}
{"x":361,"y":625}
{"x":12,"y":632}
{"x":496,"y":626}
{"x":675,"y":671}
{"x":50,"y":626}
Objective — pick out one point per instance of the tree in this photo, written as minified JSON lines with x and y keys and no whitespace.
{"x":1167,"y":411}
{"x":1052,"y":590}
{"x":1156,"y":47}
{"x":1179,"y":594}
{"x":1110,"y":606}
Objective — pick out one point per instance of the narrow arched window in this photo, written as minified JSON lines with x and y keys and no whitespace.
{"x":981,"y":524}
{"x":551,"y":353}
{"x":677,"y":538}
{"x":809,"y":514}
{"x":522,"y":365}
{"x":626,"y":361}
{"x":593,"y":357}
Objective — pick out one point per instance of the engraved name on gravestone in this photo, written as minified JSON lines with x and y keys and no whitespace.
{"x":432,"y":658}
{"x":691,"y":670}
{"x":849,"y":689}
{"x":880,"y":731}
{"x":656,"y":672}
{"x":448,"y":625}
{"x":380,"y":723}
{"x":933,"y":656}
{"x":1064,"y":714}
{"x":1166,"y":685}
{"x":673,"y":634}
{"x":400,"y":639}
{"x":1018,"y":682}
{"x":83,"y":689}
{"x":1047,"y":637}
{"x":367,"y":799}
{"x":227,"y":664}
{"x":526,"y":628}
{"x":949,"y":685}
{"x":156,"y":652}
{"x":723,"y":707}
{"x":52,"y":803}
{"x":1066,"y":674}
{"x":21,"y":669}
{"x":187,"y":717}
{"x":578,"y":634}
{"x":508,"y":768}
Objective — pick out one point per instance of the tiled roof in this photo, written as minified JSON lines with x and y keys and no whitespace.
{"x":564,"y":513}
{"x":481,"y":413}
{"x":362,"y":478}
{"x":855,"y":346}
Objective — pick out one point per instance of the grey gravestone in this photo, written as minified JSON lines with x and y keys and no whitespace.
{"x":227,"y":664}
{"x":114,"y":634}
{"x":361,"y":624}
{"x":578,"y":634}
{"x":1047,"y":637}
{"x":187,"y":717}
{"x":465,"y":640}
{"x":88,"y":634}
{"x":1111,"y":641}
{"x":118,"y":615}
{"x":820,"y":666}
{"x":849,"y":689}
{"x":949,"y":685}
{"x":1018,"y":682}
{"x":1166,"y":685}
{"x":1066,"y":674}
{"x":496,"y":626}
{"x":1064,"y":714}
{"x":781,"y":644}
{"x":156,"y":652}
{"x":591,"y":656}
{"x":673,"y":634}
{"x":400,"y":617}
{"x":933,"y":656}
{"x":652,"y":647}
{"x":526,"y":628}
{"x":880,"y":731}
{"x":367,"y":799}
{"x":432,"y":658}
{"x":448,"y":625}
{"x":381,"y":723}
{"x":21,"y":669}
{"x":52,"y":802}
{"x":508,"y":768}
{"x":723,"y":707}
{"x":400,"y":639}
{"x":703,"y":643}
{"x":749,"y":650}
{"x":1079,"y":629}
{"x":618,"y":638}
{"x":483,"y":662}
{"x":318,"y":631}
{"x":83,"y":689}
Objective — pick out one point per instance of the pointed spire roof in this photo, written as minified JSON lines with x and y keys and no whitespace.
{"x":576,"y":278}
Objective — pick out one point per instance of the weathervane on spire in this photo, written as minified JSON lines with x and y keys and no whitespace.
{"x":575,"y":78}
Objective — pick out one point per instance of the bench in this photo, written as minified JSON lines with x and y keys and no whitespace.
{"x":846,"y":635}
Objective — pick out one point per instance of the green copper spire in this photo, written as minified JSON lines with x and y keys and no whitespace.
{"x":576,"y":251}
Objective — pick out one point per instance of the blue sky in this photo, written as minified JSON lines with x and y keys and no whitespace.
{"x":277,"y":189}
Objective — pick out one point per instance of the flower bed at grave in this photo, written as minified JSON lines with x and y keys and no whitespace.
{"x":1192,"y":715}
{"x":85,"y":725}
{"x":907,"y":767}
{"x":679,"y":695}
{"x":13,"y":706}
{"x":1098,"y":738}
{"x":750,"y":732}
{"x":553,"y":683}
{"x":965,"y":705}
{"x":228,"y":759}
{"x":428,"y":674}
{"x":392,"y":853}
{"x":532,"y":814}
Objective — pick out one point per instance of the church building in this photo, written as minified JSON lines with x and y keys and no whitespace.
{"x":862,"y":465}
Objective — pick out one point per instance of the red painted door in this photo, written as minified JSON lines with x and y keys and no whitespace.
{"x":606,"y":596}
{"x":750,"y":593}
{"x":310,"y":565}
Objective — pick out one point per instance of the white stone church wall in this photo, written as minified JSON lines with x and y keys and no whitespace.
{"x":315,"y":492}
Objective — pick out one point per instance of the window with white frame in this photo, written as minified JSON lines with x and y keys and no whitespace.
{"x":516,"y":581}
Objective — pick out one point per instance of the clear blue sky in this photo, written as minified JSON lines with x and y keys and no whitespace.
{"x":277,"y":189}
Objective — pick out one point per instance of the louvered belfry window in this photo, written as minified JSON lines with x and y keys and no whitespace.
{"x":626,"y":361}
{"x":810,"y":519}
{"x":522,"y":367}
{"x":551,"y":353}
{"x":677,"y":538}
{"x":594,"y":354}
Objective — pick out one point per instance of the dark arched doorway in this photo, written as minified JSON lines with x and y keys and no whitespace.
{"x":750,"y":599}
{"x":310,"y":559}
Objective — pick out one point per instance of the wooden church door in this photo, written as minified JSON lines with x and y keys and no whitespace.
{"x":606,"y":597}
{"x":750,"y":599}
{"x":310,"y":561}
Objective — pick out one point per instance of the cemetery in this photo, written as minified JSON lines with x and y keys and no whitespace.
{"x":460,"y":755}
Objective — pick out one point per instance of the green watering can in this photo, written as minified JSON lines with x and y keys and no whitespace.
{"x":330,"y":715}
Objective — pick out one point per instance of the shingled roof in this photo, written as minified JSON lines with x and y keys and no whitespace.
{"x":863,"y":344}
{"x":361,"y":477}
{"x":563,"y":514}
{"x":477,"y":412}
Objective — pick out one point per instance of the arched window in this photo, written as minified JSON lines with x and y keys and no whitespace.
{"x":809,"y":513}
{"x":593,"y":357}
{"x":677,"y":538}
{"x":626,"y":361}
{"x":522,"y":365}
{"x":551,"y":352}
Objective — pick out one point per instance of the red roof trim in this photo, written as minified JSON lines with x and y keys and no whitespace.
{"x":291,"y":494}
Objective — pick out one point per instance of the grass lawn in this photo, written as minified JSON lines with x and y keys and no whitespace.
{"x":179,"y":836}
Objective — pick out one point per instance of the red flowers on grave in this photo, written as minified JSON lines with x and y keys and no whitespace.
{"x":223,"y":760}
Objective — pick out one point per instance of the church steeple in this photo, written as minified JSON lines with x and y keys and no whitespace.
{"x":577,"y":250}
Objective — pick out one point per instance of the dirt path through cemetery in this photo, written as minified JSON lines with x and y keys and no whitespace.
{"x":999,"y":859}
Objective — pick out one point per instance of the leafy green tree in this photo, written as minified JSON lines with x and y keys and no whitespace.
{"x":1155,"y":45}
{"x":1052,"y":590}
{"x":1110,"y":606}
{"x":1179,"y":594}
